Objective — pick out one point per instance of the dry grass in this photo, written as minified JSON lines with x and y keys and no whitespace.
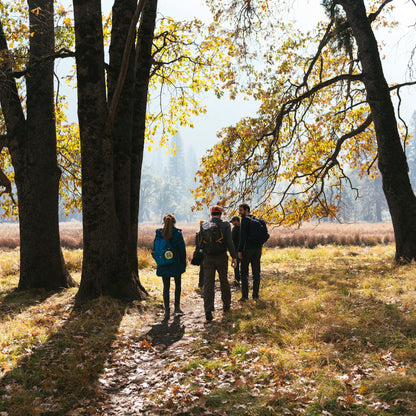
{"x":310,"y":235}
{"x":334,"y":333}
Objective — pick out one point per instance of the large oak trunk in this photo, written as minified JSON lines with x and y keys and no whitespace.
{"x":130,"y":120}
{"x":37,"y":179}
{"x":105,"y":268}
{"x":32,"y":144}
{"x":392,"y":161}
{"x":123,"y":11}
{"x":143,"y":67}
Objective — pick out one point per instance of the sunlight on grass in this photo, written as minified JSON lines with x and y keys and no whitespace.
{"x":334,"y":331}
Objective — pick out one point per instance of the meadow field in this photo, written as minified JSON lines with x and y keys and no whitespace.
{"x":309,"y":235}
{"x":334,"y":333}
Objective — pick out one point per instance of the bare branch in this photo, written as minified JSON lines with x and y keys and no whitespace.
{"x":6,"y":184}
{"x":373,"y":16}
{"x":372,"y":163}
{"x":62,"y":53}
{"x":322,"y":44}
{"x":404,"y":84}
{"x":288,"y":105}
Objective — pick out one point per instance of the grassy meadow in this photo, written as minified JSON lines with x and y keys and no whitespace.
{"x":309,"y":235}
{"x":333,"y":334}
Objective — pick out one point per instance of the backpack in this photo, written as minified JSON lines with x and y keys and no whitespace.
{"x":198,"y":255}
{"x":212,"y":239}
{"x":257,"y":231}
{"x":162,"y":251}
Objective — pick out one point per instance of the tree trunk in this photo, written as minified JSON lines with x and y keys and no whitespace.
{"x":32,"y":145}
{"x":105,"y":269}
{"x":143,"y":67}
{"x":392,"y":161}
{"x":37,"y":180}
{"x":123,"y":11}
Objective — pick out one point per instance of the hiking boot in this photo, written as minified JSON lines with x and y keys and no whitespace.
{"x":166,"y":315}
{"x":242,"y":299}
{"x":208,"y":316}
{"x":178,"y":311}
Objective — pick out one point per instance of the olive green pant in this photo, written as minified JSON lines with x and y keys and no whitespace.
{"x":211,"y":265}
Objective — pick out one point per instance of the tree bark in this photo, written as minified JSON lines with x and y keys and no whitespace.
{"x":392,"y":161}
{"x":32,"y":144}
{"x":123,"y":11}
{"x":41,"y":262}
{"x":105,"y":268}
{"x":130,"y":120}
{"x":143,"y":67}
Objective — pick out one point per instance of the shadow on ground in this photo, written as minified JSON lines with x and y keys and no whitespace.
{"x":17,"y":301}
{"x":163,"y":335}
{"x":62,"y":373}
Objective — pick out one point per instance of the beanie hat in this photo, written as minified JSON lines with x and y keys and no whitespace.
{"x":216,"y":210}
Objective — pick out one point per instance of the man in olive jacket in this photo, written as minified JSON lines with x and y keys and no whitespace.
{"x":216,"y":259}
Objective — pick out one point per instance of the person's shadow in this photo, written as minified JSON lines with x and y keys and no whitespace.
{"x":163,"y":335}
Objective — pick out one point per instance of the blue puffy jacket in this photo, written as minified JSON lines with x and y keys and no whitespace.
{"x":178,"y":247}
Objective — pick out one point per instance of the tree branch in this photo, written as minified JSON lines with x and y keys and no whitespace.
{"x":6,"y":184}
{"x":324,"y":41}
{"x":62,"y":53}
{"x":404,"y":84}
{"x":124,"y":65}
{"x":290,"y":103}
{"x":11,"y":106}
{"x":3,"y":141}
{"x":373,"y":16}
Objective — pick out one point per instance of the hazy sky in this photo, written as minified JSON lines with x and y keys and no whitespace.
{"x":224,"y":112}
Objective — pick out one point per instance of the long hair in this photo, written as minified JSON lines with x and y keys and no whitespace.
{"x":169,"y":221}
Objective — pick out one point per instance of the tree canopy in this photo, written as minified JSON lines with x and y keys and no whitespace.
{"x":314,"y":124}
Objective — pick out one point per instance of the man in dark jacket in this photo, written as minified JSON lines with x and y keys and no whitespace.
{"x":249,"y":251}
{"x":215,"y":241}
{"x":235,"y":233}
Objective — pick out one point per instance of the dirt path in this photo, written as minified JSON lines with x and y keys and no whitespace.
{"x":142,"y":376}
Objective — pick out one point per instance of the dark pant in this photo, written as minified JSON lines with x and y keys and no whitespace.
{"x":211,"y":265}
{"x":201,"y":276}
{"x":252,"y":256}
{"x":166,"y":290}
{"x":237,"y":270}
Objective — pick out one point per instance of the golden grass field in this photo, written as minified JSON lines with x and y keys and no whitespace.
{"x":309,"y":235}
{"x":334,"y":334}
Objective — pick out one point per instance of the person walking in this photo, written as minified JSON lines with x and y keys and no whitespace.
{"x":215,"y":240}
{"x":198,"y":257}
{"x":253,"y":234}
{"x":170,"y":255}
{"x":235,"y":234}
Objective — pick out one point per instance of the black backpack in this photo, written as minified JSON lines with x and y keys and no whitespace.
{"x":257,"y":232}
{"x":212,"y":239}
{"x":198,"y":255}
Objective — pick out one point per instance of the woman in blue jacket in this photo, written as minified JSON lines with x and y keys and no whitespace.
{"x":174,"y":237}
